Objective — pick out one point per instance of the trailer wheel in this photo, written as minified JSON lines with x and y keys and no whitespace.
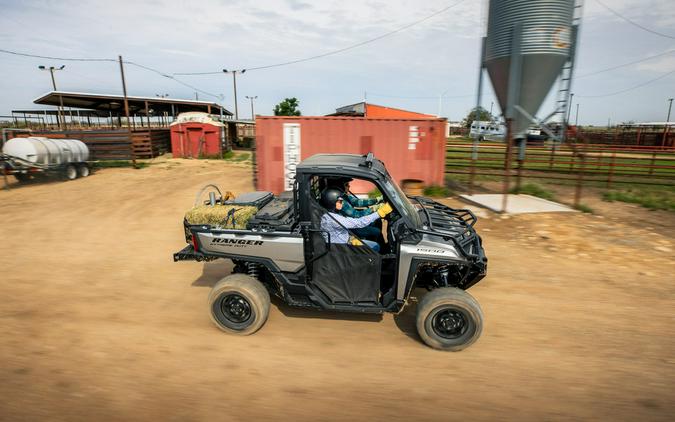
{"x":239,"y":304}
{"x":449,"y":319}
{"x":83,"y":170}
{"x":70,"y":172}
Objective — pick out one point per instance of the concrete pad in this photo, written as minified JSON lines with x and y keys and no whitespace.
{"x":516,"y":204}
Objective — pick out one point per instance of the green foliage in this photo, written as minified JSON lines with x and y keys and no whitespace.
{"x":120,"y":164}
{"x":477,"y":113}
{"x":584,"y":208}
{"x":288,"y":107}
{"x":534,"y":190}
{"x":649,"y":198}
{"x":435,"y":191}
{"x":374,"y":193}
{"x":229,"y":156}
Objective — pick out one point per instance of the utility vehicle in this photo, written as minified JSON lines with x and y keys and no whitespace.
{"x":284,"y":252}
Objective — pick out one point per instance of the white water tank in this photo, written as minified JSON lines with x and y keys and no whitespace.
{"x":47,"y":151}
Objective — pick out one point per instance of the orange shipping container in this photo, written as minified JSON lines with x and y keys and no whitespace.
{"x":411,"y":148}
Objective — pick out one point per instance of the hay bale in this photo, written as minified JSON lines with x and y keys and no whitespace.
{"x":217,"y":215}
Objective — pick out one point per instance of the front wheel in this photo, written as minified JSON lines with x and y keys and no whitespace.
{"x":449,"y":319}
{"x":239,"y":304}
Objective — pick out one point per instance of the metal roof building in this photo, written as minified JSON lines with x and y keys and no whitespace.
{"x":105,"y":104}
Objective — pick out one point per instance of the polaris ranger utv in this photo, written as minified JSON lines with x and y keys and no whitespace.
{"x":283,"y":251}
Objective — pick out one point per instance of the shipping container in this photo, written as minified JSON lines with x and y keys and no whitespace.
{"x":411,"y":148}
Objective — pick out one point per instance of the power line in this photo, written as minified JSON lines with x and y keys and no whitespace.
{"x":16,"y":53}
{"x":626,"y":64}
{"x":631,"y":88}
{"x":341,"y":50}
{"x":166,"y":75}
{"x":644,"y":28}
{"x":71,"y":59}
{"x":427,"y":97}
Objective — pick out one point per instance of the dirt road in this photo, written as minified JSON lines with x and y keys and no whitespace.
{"x":98,"y":323}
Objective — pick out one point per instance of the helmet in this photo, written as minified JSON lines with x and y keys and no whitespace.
{"x":329,"y":197}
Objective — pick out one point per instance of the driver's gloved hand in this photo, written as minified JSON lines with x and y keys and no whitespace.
{"x":384,"y":210}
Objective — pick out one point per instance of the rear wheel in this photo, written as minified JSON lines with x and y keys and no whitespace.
{"x":83,"y":170}
{"x":70,"y":172}
{"x":239,"y":304}
{"x":449,"y":319}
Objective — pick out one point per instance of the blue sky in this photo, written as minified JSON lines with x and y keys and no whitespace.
{"x":439,"y":55}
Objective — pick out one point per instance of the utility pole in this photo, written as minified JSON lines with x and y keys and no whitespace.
{"x":667,"y":128}
{"x":576,"y":118}
{"x":234,"y":81}
{"x":60,"y":118}
{"x":126,"y":110}
{"x":569,"y":108}
{"x":252,"y":111}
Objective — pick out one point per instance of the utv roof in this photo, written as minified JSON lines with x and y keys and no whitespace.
{"x":359,"y":163}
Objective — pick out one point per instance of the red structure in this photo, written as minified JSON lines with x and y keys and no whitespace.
{"x":196,"y":135}
{"x":411,"y":148}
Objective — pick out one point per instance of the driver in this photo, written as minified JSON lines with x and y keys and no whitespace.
{"x":349,"y":204}
{"x":337,"y":225}
{"x":351,"y":201}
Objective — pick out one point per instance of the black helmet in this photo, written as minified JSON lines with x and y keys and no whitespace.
{"x":329,"y":197}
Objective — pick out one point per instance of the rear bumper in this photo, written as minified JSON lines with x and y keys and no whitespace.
{"x":188,"y":253}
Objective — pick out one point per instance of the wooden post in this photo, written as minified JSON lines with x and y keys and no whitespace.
{"x":580,"y":177}
{"x":126,"y":112}
{"x":611,"y":170}
{"x":507,"y":165}
{"x":651,"y":166}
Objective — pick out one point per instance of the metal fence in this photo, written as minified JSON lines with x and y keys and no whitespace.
{"x":577,"y":164}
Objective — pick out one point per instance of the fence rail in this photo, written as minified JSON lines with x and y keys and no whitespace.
{"x":577,"y":163}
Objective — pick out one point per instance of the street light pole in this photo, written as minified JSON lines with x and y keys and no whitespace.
{"x":252,"y":112}
{"x":576,"y":118}
{"x":51,"y":69}
{"x":234,"y":81}
{"x":667,"y":128}
{"x":569,"y":108}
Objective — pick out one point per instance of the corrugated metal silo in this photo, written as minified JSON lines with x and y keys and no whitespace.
{"x":537,"y":33}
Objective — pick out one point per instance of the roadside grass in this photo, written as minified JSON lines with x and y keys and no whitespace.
{"x":435,"y":191}
{"x":120,"y":164}
{"x":534,"y":190}
{"x":584,"y":208}
{"x":655,"y":199}
{"x":228,"y":156}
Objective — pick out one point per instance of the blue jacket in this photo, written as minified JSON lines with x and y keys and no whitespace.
{"x":351,"y":201}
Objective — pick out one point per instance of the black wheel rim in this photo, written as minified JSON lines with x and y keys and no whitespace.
{"x":235,"y":308}
{"x":450,"y":323}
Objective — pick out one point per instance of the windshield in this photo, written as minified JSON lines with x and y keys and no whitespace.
{"x":400,"y":201}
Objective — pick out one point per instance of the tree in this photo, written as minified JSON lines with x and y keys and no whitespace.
{"x":288,"y":107}
{"x":482,"y":114}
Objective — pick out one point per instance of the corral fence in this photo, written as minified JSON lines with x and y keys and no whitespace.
{"x":111,"y":144}
{"x":629,"y":135}
{"x":572,"y":163}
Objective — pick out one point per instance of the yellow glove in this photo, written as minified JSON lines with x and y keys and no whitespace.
{"x":384,"y":209}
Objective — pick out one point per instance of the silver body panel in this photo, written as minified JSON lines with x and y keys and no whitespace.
{"x":286,"y":251}
{"x":429,"y":248}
